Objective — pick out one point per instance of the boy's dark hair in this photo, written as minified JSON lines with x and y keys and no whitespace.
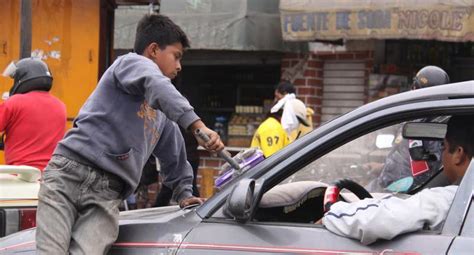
{"x":461,"y":133}
{"x":156,"y":28}
{"x":285,"y":87}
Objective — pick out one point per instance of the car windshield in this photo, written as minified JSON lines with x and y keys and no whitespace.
{"x":379,"y":161}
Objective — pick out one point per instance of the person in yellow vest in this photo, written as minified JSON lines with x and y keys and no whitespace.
{"x":285,"y":88}
{"x":284,"y":118}
{"x":303,"y":129}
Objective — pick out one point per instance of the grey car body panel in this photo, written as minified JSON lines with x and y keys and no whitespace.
{"x":462,"y":246}
{"x":462,"y":208}
{"x":22,"y":242}
{"x":459,"y":210}
{"x":268,"y":238}
{"x":203,"y":230}
{"x":468,"y":227}
{"x":154,"y":230}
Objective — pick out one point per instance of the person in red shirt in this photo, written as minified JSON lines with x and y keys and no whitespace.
{"x":31,"y":119}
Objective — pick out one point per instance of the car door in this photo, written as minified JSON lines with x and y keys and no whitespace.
{"x":221,"y":235}
{"x":460,"y":221}
{"x":226,"y":236}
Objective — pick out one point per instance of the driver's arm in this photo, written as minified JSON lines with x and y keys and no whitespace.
{"x":371,"y":219}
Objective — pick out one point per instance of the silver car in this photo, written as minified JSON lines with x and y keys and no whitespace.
{"x":275,"y":207}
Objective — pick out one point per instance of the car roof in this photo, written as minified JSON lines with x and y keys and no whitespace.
{"x":449,"y":91}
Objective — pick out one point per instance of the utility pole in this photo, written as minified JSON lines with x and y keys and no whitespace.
{"x":25,"y":28}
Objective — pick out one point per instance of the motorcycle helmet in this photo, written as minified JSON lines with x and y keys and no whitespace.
{"x":29,"y":74}
{"x":430,"y":76}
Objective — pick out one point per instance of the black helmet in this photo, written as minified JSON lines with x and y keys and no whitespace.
{"x":30,"y":74}
{"x":430,"y":76}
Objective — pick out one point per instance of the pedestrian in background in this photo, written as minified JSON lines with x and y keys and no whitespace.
{"x":131,"y":115}
{"x":32,"y":120}
{"x":284,"y":88}
{"x":285,"y":117}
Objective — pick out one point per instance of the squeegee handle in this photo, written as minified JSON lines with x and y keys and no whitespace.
{"x":223,"y":153}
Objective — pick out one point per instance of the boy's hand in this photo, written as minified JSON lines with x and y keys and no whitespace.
{"x":191,"y":201}
{"x":214,"y":144}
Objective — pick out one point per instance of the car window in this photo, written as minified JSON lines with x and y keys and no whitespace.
{"x":379,"y":161}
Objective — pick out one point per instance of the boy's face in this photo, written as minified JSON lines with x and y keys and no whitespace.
{"x":169,"y":59}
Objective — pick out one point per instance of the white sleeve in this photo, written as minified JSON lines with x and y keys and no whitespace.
{"x":371,"y":219}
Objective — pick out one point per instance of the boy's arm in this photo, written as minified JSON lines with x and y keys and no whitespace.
{"x":371,"y":219}
{"x":176,"y":171}
{"x":137,"y":75}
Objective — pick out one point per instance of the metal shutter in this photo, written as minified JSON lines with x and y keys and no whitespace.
{"x":343,"y":87}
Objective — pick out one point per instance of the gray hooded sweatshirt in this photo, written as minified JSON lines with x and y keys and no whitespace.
{"x":132,"y":114}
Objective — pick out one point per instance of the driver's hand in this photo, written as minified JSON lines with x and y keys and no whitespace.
{"x":191,"y":201}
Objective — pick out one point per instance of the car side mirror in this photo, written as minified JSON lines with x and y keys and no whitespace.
{"x":240,"y":201}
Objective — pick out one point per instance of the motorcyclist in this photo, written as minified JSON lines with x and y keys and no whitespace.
{"x":32,"y":119}
{"x":429,"y":76}
{"x":400,"y":162}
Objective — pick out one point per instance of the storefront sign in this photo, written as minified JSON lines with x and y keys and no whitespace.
{"x":430,"y":19}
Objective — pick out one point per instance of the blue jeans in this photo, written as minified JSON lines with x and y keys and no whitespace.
{"x":77,"y":209}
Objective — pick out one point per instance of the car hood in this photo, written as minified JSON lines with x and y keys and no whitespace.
{"x":154,"y":225}
{"x":150,"y":214}
{"x":20,"y":241}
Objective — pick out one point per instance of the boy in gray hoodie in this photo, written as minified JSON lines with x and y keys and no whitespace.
{"x":131,"y":114}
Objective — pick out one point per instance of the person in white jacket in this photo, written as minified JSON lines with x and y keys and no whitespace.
{"x":371,"y":219}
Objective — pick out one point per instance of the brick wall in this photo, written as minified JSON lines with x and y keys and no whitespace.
{"x":306,"y":73}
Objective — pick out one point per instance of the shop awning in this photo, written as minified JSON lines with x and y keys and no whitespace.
{"x":444,"y":20}
{"x":229,"y":24}
{"x":216,"y":24}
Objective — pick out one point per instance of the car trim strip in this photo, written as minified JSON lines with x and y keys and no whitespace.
{"x":17,"y":245}
{"x":247,"y":248}
{"x":233,"y":247}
